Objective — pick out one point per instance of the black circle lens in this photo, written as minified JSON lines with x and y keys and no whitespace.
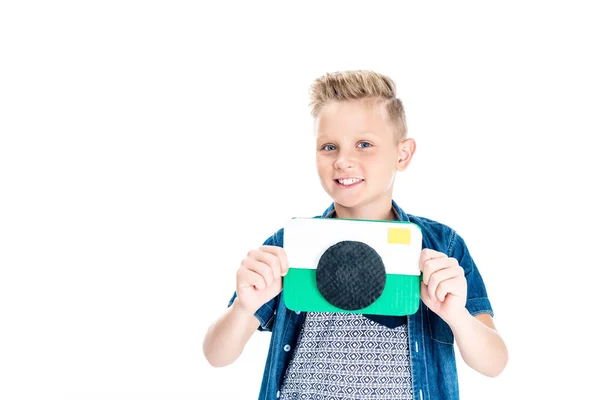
{"x":351,"y":275}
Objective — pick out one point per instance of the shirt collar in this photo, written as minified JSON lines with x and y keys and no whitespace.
{"x":398,"y":212}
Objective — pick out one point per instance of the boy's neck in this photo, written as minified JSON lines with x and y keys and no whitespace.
{"x":372,"y":212}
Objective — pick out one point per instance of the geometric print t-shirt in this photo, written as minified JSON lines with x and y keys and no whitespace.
{"x":347,"y":356}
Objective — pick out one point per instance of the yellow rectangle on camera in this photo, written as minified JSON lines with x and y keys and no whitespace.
{"x":398,"y":236}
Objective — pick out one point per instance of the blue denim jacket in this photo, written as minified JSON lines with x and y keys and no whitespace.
{"x":432,"y":357}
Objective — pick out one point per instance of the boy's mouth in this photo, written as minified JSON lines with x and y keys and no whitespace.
{"x":348,"y":182}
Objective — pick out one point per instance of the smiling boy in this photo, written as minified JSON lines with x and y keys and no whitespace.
{"x":361,"y":143}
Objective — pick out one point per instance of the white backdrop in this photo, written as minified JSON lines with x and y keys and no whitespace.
{"x":146,"y":146}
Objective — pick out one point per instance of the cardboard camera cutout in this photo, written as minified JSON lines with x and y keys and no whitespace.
{"x":354,"y":266}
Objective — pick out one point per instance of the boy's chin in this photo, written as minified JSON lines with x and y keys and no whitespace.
{"x":347,"y":203}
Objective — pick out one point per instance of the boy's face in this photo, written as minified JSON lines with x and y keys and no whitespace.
{"x":358,"y":154}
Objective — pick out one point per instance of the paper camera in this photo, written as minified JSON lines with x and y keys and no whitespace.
{"x":354,"y":266}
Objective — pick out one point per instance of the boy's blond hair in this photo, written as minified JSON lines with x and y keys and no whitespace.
{"x":370,"y":86}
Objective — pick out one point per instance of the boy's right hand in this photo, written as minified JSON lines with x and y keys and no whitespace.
{"x":259,"y":278}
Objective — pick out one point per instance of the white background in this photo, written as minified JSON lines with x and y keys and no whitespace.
{"x":146,"y":146}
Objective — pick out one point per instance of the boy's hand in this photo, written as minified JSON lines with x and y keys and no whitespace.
{"x":444,"y":287}
{"x":259,"y":278}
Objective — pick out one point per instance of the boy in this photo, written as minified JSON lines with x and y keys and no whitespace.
{"x":361,"y":144}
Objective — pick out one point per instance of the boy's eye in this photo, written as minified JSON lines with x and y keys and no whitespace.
{"x":329,"y":147}
{"x":364,"y":144}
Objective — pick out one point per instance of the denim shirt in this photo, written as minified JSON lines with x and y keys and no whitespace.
{"x":431,"y":341}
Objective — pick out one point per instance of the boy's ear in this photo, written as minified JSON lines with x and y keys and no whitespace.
{"x":406,"y":150}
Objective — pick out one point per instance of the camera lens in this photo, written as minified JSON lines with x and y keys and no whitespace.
{"x":351,"y":275}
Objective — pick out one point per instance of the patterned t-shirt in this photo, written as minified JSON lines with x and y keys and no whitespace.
{"x":348,"y":356}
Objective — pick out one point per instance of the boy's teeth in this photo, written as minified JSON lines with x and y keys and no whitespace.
{"x":348,"y":181}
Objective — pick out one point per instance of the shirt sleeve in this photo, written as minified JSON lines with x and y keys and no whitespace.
{"x":477,"y":299}
{"x":266,"y":313}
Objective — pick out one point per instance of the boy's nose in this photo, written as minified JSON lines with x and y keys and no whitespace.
{"x":344,"y":162}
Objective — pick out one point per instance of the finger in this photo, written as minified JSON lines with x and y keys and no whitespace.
{"x":425,"y":292}
{"x":249,"y":278}
{"x":431,"y":266}
{"x":260,"y":268}
{"x":439,"y":276}
{"x":452,"y":285}
{"x":270,"y":260}
{"x":281,"y":254}
{"x":285,"y":264}
{"x":429,"y":254}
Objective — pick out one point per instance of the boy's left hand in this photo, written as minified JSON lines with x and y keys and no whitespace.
{"x":444,"y":287}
